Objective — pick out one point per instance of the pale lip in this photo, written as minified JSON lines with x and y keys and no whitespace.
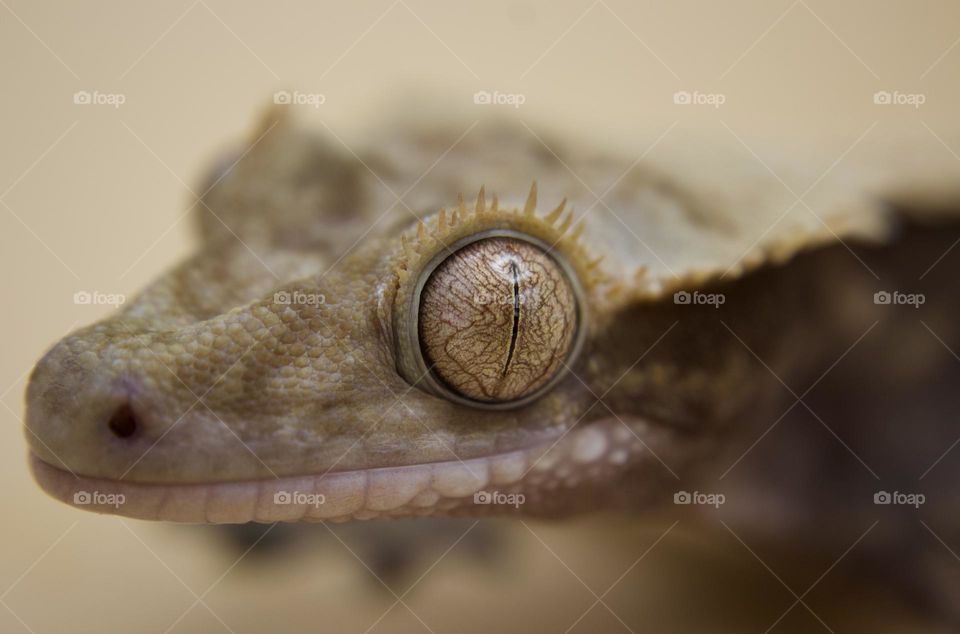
{"x":441,"y":488}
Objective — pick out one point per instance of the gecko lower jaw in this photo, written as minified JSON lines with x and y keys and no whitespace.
{"x":497,"y":484}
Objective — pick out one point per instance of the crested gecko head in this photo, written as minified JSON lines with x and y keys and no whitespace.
{"x":354,"y":339}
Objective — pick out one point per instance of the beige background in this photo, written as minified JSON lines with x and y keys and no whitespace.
{"x":92,"y":198}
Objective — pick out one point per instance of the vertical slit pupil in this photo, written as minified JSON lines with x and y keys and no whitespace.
{"x":515,"y":271}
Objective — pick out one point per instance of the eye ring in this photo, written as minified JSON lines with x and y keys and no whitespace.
{"x":426,"y":377}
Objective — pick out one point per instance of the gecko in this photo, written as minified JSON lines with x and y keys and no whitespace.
{"x":492,"y":323}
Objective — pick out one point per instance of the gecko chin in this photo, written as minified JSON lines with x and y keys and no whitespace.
{"x":567,"y":474}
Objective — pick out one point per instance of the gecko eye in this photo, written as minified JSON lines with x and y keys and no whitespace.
{"x":497,"y":321}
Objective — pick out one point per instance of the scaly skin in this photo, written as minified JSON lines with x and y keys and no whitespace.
{"x":234,"y":396}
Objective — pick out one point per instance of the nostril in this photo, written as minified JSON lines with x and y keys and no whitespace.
{"x":123,"y":422}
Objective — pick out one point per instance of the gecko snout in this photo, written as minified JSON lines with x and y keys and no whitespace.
{"x":84,"y":402}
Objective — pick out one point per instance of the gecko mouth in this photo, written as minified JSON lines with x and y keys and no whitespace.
{"x":501,"y":483}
